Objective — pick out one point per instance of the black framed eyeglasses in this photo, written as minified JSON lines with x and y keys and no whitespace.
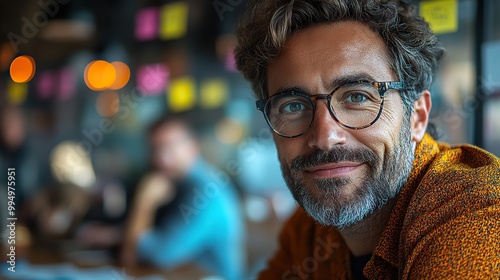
{"x":354,"y":105}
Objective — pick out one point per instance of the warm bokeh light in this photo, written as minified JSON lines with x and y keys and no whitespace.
{"x":99,"y":75}
{"x":107,"y":103}
{"x":213,"y":93}
{"x":22,"y":69}
{"x":182,"y":94}
{"x":122,"y":75}
{"x":6,"y":55}
{"x":174,"y":20}
{"x":229,"y":131}
{"x":71,"y":164}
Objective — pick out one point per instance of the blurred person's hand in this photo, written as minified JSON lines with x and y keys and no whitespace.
{"x":154,"y":189}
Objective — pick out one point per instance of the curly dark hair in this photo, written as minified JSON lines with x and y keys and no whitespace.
{"x":414,"y":51}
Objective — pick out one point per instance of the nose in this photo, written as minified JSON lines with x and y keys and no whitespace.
{"x":325,"y":132}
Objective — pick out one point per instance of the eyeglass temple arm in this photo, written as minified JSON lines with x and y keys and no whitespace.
{"x":260,"y":104}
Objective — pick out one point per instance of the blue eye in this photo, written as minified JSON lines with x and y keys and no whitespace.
{"x":293,"y":107}
{"x":357,"y":97}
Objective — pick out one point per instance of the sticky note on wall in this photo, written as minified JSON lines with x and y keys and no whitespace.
{"x":67,"y":83}
{"x":17,"y":93}
{"x":213,"y":93}
{"x":181,"y":95}
{"x":442,"y":15}
{"x":45,"y":84}
{"x":146,"y":24}
{"x":174,"y":20}
{"x":152,"y":79}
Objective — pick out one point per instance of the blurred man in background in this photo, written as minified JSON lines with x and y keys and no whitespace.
{"x":185,"y":211}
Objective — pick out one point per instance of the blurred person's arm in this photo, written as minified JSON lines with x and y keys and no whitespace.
{"x":183,"y":238}
{"x":153,"y":191}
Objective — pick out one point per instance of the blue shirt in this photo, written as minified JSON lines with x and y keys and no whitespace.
{"x":204,"y":225}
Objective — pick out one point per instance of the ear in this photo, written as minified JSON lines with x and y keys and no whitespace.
{"x":420,"y":116}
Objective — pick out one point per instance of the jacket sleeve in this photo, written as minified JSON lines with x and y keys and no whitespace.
{"x":467,"y":247}
{"x":281,"y":262}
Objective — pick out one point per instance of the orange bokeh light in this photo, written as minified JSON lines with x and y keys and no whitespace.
{"x":122,"y":75}
{"x":22,"y":69}
{"x":6,"y":55}
{"x":99,"y":75}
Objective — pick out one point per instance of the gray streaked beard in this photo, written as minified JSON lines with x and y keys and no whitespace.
{"x":382,"y":182}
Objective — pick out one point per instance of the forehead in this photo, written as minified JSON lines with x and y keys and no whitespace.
{"x":315,"y":56}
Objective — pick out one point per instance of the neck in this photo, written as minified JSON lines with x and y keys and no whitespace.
{"x":362,"y":238}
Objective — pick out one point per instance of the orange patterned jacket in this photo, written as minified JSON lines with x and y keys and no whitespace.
{"x":445,"y":224}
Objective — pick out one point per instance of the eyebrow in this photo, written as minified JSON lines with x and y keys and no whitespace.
{"x":335,"y":83}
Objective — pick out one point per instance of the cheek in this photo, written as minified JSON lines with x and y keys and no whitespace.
{"x":382,"y":137}
{"x":288,"y":149}
{"x":391,"y":119}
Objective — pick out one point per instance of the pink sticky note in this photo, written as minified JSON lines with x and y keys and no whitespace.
{"x":45,"y":84}
{"x":152,"y":79}
{"x":67,"y":83}
{"x":146,"y":24}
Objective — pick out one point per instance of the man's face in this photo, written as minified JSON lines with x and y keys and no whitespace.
{"x":340,"y":175}
{"x":173,"y":150}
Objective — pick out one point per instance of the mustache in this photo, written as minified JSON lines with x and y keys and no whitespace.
{"x":334,"y":155}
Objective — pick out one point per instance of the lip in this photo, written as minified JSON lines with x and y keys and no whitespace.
{"x":332,"y":170}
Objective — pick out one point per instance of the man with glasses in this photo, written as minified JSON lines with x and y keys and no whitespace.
{"x":344,"y":85}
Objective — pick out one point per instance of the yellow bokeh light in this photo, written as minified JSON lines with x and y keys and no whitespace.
{"x":182,"y":95}
{"x":122,"y":75}
{"x":22,"y":69}
{"x":99,"y":75}
{"x":174,"y":20}
{"x":17,"y":93}
{"x":213,"y":93}
{"x":107,"y":103}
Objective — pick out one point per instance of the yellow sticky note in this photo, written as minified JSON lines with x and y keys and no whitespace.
{"x":442,"y":15}
{"x":174,"y":20}
{"x":17,"y":93}
{"x":182,"y":94}
{"x":213,"y":93}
